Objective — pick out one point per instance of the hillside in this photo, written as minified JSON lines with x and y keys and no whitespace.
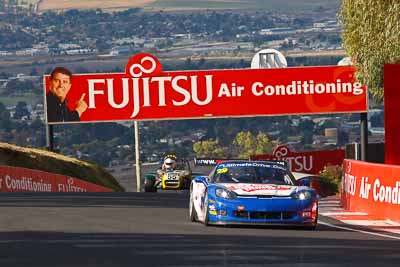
{"x":38,"y":159}
{"x":182,"y":5}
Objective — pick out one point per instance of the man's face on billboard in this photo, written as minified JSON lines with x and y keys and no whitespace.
{"x":60,"y":85}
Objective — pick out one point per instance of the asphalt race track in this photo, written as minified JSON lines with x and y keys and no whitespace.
{"x":153,"y":229}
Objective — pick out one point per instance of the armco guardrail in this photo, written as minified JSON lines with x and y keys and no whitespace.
{"x":372,"y":188}
{"x":15,"y":179}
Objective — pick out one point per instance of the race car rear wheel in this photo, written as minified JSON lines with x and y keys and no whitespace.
{"x":149,"y":186}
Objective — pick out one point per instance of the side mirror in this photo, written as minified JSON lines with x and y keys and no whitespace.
{"x":304,"y":182}
{"x":200,"y":179}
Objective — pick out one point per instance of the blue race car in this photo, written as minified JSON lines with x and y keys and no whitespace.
{"x":252,"y":192}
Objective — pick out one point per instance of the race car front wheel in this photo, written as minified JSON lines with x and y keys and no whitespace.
{"x":206,"y":219}
{"x":192,"y":211}
{"x":314,"y":224}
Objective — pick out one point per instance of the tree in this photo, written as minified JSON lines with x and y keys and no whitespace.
{"x":377,"y":120}
{"x":21,"y":110}
{"x":34,"y":72}
{"x":247,"y":144}
{"x":208,"y":148}
{"x":5,"y":123}
{"x":371,"y":36}
{"x":306,"y":128}
{"x":2,"y":108}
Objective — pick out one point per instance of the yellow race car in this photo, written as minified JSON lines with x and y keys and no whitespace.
{"x":177,"y":179}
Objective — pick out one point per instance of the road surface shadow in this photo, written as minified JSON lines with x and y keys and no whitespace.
{"x":101,"y":249}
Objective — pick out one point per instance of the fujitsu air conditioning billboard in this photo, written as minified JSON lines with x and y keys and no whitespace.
{"x":312,"y":162}
{"x":145,"y":92}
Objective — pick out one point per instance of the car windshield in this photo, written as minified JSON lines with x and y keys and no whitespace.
{"x":252,"y":173}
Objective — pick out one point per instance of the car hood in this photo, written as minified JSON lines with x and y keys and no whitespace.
{"x":261,"y":189}
{"x":180,"y":172}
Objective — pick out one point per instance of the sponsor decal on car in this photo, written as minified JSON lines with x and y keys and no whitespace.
{"x":211,"y":210}
{"x":257,"y":187}
{"x":223,"y":170}
{"x":246,"y":164}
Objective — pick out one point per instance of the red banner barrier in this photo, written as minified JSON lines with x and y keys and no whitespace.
{"x":145,"y":92}
{"x":14,"y":179}
{"x":392,"y":111}
{"x":372,"y":188}
{"x":306,"y":161}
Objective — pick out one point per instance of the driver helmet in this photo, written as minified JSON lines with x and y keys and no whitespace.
{"x":170,"y":162}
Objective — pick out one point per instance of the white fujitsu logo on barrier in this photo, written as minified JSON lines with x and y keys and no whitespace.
{"x":296,"y":162}
{"x":283,"y":151}
{"x":350,"y":181}
{"x":141,"y":68}
{"x":349,"y":167}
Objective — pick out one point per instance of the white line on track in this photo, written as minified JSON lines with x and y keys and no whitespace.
{"x":343,"y":213}
{"x":326,"y":209}
{"x":372,"y":223}
{"x":357,"y":230}
{"x":329,"y":202}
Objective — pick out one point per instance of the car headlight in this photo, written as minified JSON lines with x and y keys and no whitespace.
{"x":225,"y":193}
{"x":302,"y":195}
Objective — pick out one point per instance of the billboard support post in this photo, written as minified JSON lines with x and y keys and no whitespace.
{"x":137,"y":157}
{"x":364,"y":135}
{"x":49,"y":137}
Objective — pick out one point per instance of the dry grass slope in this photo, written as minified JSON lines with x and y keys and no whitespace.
{"x":45,"y":5}
{"x":32,"y":158}
{"x":175,"y":5}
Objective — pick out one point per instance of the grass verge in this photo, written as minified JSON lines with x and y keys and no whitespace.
{"x":39,"y":159}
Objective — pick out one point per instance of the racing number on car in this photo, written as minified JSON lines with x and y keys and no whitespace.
{"x":172,"y":176}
